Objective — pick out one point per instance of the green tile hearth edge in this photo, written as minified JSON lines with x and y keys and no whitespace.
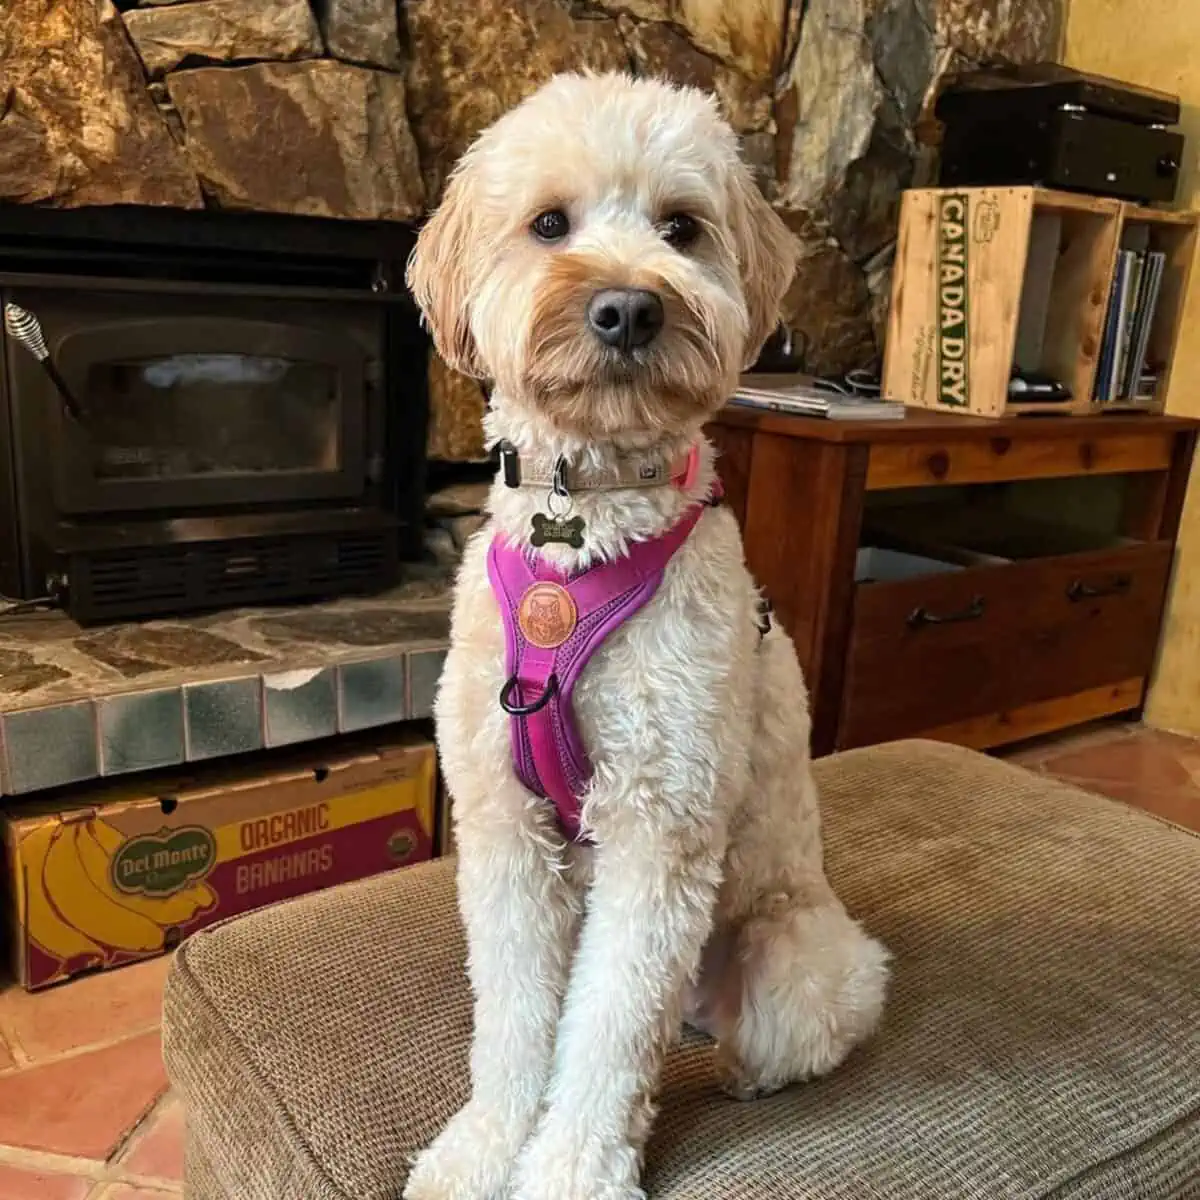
{"x":79,"y":740}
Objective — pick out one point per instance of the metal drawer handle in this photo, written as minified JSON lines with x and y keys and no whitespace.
{"x":922,"y":616}
{"x":1078,"y":590}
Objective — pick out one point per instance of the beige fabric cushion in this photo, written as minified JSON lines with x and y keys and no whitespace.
{"x":1043,"y":1038}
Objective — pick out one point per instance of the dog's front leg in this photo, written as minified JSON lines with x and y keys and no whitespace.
{"x":649,"y":911}
{"x":520,"y":912}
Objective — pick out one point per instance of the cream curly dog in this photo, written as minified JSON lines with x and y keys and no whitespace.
{"x":603,"y":257}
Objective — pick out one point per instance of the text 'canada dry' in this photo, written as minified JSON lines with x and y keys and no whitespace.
{"x":952,"y":301}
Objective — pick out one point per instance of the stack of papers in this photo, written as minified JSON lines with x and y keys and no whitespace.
{"x":810,"y":400}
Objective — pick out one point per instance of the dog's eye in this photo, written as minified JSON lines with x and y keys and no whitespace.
{"x":551,"y":226}
{"x":680,"y":230}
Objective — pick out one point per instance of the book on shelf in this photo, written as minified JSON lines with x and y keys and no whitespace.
{"x":1147,"y":305}
{"x":1122,"y":372}
{"x":1134,"y":265}
{"x":1109,"y":340}
{"x":808,"y":399}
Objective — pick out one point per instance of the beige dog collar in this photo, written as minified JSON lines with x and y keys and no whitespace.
{"x":544,"y":471}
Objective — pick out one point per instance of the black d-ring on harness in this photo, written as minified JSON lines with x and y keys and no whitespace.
{"x":526,"y":710}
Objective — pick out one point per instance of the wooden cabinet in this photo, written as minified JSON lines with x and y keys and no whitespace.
{"x":995,"y":639}
{"x":1038,"y":555}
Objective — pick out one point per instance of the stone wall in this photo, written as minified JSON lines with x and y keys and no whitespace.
{"x":358,"y":109}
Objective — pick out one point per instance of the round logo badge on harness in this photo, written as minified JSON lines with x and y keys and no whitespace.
{"x":547,"y":615}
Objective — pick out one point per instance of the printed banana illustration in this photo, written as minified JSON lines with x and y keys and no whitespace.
{"x":91,"y":909}
{"x":52,"y":933}
{"x":98,"y":845}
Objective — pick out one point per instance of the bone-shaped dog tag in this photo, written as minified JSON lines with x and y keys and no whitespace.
{"x":554,"y":529}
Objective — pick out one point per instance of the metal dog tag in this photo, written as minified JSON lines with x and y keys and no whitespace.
{"x":555,"y":529}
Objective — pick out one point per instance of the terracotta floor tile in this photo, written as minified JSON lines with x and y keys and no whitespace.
{"x":89,"y":1011}
{"x":84,"y":1105}
{"x":1147,"y":768}
{"x":6,"y":1057}
{"x":157,"y":1149}
{"x":1036,"y":751}
{"x":16,"y":1184}
{"x":1146,"y":760}
{"x":1178,"y":806}
{"x":1114,"y":789}
{"x":1186,"y":751}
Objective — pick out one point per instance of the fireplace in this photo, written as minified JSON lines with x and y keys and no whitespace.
{"x":233,"y":411}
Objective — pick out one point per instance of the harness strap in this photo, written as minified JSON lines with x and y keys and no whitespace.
{"x":547,"y":750}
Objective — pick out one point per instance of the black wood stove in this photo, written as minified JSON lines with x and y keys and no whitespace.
{"x":227,"y":409}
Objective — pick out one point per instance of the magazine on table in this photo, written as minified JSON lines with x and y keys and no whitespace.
{"x":814,"y":398}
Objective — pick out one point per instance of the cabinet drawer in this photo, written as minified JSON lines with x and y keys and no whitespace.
{"x":922,"y":464}
{"x":933,"y":651}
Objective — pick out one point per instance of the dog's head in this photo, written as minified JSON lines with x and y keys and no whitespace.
{"x":603,"y":256}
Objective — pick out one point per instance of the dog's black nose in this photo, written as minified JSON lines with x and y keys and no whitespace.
{"x":625,"y":317}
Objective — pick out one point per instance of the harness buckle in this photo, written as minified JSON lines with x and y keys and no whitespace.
{"x":764,"y":617}
{"x":510,"y":465}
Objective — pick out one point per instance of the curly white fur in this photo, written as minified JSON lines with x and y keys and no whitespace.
{"x":703,"y":894}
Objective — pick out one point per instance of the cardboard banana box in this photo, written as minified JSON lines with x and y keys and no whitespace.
{"x":122,"y":873}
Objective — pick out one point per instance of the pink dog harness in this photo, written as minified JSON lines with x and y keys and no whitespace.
{"x":553,"y":623}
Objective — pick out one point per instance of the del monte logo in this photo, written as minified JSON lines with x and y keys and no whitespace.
{"x":160,"y":864}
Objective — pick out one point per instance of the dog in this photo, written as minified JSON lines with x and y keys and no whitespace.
{"x":603,"y":258}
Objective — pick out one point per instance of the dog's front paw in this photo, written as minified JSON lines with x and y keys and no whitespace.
{"x":471,"y":1159}
{"x":556,"y":1166}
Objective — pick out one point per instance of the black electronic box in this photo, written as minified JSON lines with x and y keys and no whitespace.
{"x":1054,"y":127}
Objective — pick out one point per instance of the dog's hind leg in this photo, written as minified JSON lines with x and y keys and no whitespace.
{"x":812,"y":987}
{"x":786,"y":996}
{"x":520,"y":910}
{"x":806,"y":984}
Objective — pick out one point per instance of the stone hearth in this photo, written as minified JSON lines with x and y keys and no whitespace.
{"x":77,"y":704}
{"x":83,"y":703}
{"x":359,"y":108}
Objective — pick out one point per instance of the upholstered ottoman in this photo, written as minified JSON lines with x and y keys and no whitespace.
{"x":1043,"y":1037}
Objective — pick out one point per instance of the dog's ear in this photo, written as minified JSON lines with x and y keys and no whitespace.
{"x":767,"y":254}
{"x":439,"y":273}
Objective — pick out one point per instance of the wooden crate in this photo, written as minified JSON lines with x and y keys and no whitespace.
{"x":986,"y":277}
